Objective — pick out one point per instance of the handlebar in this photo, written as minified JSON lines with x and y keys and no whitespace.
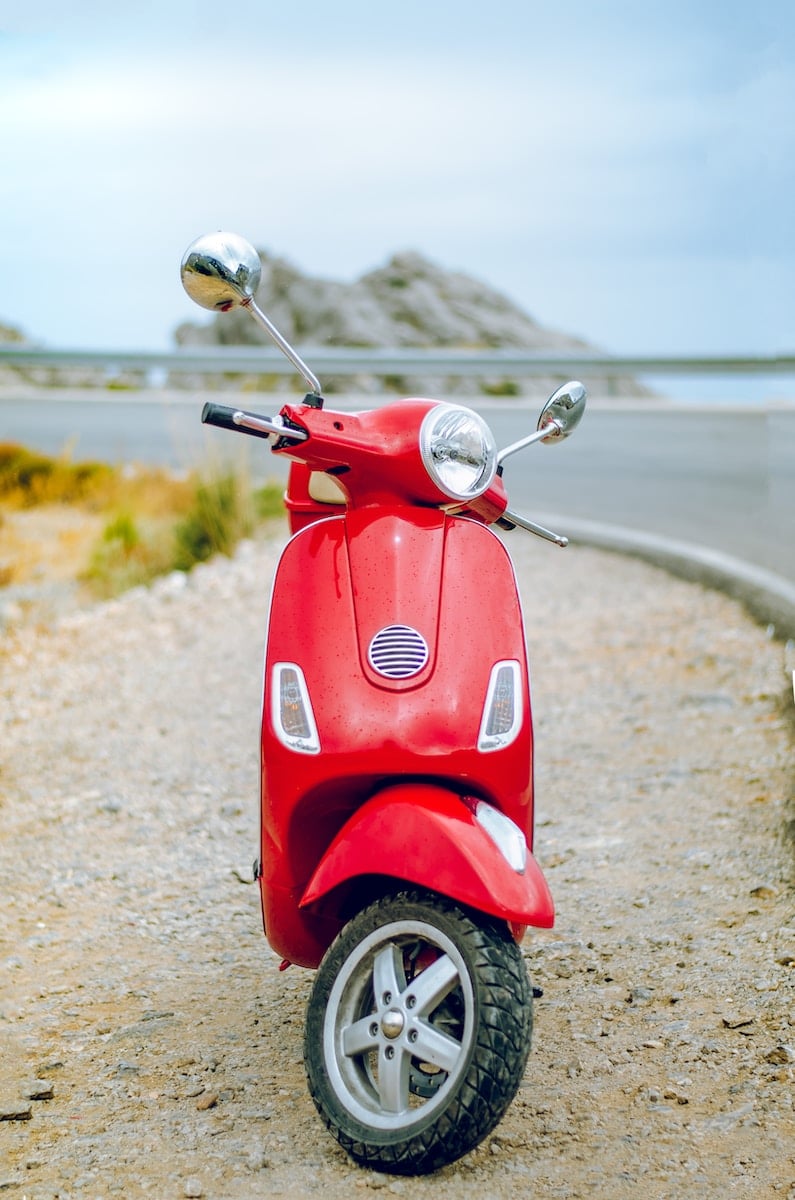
{"x":276,"y":428}
{"x":240,"y":421}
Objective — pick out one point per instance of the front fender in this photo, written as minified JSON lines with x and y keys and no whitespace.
{"x":423,"y":834}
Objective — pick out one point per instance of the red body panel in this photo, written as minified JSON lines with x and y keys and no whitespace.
{"x":374,"y":459}
{"x":450,"y":853}
{"x":340,"y":581}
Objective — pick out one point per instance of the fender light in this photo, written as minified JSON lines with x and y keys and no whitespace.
{"x":502,"y":711}
{"x":291,"y":709}
{"x":507,"y":836}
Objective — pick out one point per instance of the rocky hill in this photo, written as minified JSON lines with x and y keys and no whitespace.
{"x":409,"y":302}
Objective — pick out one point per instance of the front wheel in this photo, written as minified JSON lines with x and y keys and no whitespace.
{"x":417,"y":1033}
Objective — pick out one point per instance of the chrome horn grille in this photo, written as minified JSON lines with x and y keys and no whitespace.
{"x":398,"y":652}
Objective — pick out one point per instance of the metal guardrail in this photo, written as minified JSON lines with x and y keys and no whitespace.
{"x":344,"y":361}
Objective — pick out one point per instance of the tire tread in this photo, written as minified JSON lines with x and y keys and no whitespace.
{"x":499,"y":1055}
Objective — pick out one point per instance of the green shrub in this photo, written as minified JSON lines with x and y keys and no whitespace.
{"x":222,"y":514}
{"x":124,"y":530}
{"x":129,"y":553}
{"x":506,"y":387}
{"x":269,"y":501}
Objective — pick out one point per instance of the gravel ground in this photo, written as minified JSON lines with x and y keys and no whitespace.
{"x":150,"y":1047}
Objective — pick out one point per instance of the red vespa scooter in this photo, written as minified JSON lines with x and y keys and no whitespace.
{"x":397,"y":778}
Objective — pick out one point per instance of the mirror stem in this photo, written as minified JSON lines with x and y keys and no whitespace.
{"x":549,"y":430}
{"x":259,"y":316}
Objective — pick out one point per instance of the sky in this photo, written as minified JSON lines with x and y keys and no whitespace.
{"x":624,"y":171}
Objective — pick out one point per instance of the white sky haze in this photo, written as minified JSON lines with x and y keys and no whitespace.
{"x":624,"y":171}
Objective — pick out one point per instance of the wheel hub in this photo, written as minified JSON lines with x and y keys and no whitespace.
{"x":392,"y":1023}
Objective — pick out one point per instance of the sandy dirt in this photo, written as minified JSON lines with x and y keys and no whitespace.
{"x":149,"y":1045}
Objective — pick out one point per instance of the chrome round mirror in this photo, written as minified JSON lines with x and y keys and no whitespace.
{"x":220,"y":271}
{"x":563,"y":411}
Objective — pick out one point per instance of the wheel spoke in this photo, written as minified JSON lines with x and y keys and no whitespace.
{"x":411,"y":1075}
{"x":358,"y":1038}
{"x":432,"y":985}
{"x":393,"y":1080}
{"x":388,"y":976}
{"x":434,"y":1047}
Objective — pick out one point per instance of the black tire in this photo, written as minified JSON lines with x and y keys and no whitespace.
{"x":411,"y":1080}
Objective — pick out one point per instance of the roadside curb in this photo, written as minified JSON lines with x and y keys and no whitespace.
{"x":768,"y":597}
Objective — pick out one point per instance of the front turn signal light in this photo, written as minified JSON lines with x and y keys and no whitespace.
{"x":502,"y":711}
{"x":291,"y":709}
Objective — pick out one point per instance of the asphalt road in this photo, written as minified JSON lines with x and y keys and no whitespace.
{"x":718,"y":478}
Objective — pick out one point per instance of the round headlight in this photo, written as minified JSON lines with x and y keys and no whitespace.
{"x":458,"y":450}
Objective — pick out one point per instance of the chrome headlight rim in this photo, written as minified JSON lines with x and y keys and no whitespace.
{"x":430,"y":436}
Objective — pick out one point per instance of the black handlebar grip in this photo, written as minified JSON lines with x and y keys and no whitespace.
{"x":221,"y":415}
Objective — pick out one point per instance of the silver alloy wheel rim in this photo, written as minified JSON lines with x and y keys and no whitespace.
{"x":377,"y":1029}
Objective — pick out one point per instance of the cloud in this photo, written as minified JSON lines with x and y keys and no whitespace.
{"x":548,"y":147}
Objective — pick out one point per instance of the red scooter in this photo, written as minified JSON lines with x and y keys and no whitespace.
{"x":397,"y":755}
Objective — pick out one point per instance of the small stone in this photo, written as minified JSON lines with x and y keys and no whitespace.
{"x":38,"y":1089}
{"x":738,"y":1020}
{"x":171,"y":584}
{"x":258,"y":1160}
{"x":208,"y":1100}
{"x":193,"y":1189}
{"x":11,"y":613}
{"x":781,"y":1055}
{"x":14,"y":1110}
{"x":764,"y":891}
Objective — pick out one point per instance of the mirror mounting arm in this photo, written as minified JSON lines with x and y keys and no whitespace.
{"x":287,"y":350}
{"x":538,"y":436}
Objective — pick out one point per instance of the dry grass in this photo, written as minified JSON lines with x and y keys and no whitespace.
{"x":112,"y":529}
{"x":52,"y":541}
